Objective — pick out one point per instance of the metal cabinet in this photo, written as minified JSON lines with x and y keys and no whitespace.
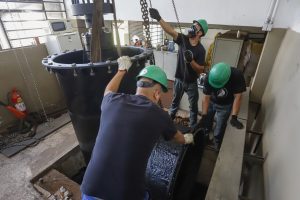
{"x":62,"y":42}
{"x":227,"y":50}
{"x":167,"y":61}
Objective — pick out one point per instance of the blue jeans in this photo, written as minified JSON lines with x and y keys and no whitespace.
{"x":222,"y":113}
{"x":192,"y":91}
{"x":86,"y":197}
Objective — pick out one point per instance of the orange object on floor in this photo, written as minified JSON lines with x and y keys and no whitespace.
{"x":18,"y":114}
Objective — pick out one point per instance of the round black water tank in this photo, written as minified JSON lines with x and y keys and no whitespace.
{"x":84,"y":83}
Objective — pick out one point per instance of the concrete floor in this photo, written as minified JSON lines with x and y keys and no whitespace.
{"x":16,"y":172}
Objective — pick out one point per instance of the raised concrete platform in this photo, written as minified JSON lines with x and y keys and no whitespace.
{"x":17,"y":171}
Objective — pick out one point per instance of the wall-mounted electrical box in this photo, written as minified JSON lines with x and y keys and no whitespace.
{"x":62,"y":42}
{"x":59,"y":26}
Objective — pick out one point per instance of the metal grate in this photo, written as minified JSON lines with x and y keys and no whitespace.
{"x":156,"y":33}
{"x":136,"y":30}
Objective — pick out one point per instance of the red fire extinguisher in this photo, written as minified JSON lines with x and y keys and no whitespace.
{"x":17,"y":101}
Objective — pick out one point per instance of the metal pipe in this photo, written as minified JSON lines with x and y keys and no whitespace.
{"x":5,"y":33}
{"x":270,"y":17}
{"x":116,"y":29}
{"x":274,"y":12}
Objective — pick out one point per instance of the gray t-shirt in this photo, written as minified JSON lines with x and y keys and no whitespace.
{"x":129,"y":128}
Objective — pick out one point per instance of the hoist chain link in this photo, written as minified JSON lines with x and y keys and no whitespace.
{"x":146,"y":24}
{"x":176,"y":15}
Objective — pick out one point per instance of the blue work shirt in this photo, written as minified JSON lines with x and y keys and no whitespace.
{"x":130,"y":126}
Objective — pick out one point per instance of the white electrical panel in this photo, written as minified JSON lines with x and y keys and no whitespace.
{"x":62,"y":42}
{"x":227,"y":50}
{"x":167,"y":61}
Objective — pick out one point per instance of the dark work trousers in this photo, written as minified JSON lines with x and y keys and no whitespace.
{"x":192,"y":91}
{"x":222,"y":113}
{"x":86,"y":197}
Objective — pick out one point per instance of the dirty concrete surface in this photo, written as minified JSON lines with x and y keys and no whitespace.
{"x":16,"y":172}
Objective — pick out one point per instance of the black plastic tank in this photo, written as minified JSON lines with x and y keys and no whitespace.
{"x":83,"y":84}
{"x":172,"y":168}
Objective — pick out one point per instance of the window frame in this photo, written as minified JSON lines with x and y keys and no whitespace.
{"x":7,"y":39}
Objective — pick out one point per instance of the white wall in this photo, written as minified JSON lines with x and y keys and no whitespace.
{"x":265,"y":64}
{"x":229,"y":12}
{"x":288,"y":14}
{"x":22,"y":68}
{"x":281,"y":116}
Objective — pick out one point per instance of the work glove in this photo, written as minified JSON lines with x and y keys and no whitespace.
{"x":188,"y":56}
{"x":124,"y":63}
{"x":188,"y":138}
{"x":154,"y":14}
{"x":235,"y":122}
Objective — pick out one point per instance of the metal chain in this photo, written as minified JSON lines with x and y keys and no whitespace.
{"x":146,"y":24}
{"x":176,"y":15}
{"x":152,"y":59}
{"x":36,"y":87}
{"x":178,"y":23}
{"x":116,"y":30}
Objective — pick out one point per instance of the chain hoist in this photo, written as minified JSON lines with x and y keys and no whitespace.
{"x":146,"y":24}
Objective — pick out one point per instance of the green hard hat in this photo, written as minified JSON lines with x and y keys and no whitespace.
{"x":219,"y":75}
{"x":203,"y":24}
{"x":155,"y":73}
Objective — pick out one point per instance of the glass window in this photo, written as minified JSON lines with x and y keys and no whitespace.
{"x":20,"y":6}
{"x":4,"y":44}
{"x":56,"y":15}
{"x":22,"y":21}
{"x":54,"y":6}
{"x":156,"y":33}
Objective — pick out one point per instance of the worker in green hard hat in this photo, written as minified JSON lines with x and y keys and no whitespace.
{"x":130,"y":126}
{"x":223,"y":88}
{"x":190,"y":63}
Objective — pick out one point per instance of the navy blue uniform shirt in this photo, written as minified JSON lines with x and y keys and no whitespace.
{"x":129,"y":128}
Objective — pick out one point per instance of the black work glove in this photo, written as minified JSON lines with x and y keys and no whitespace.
{"x":154,"y":14}
{"x":235,"y":122}
{"x":188,"y":56}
